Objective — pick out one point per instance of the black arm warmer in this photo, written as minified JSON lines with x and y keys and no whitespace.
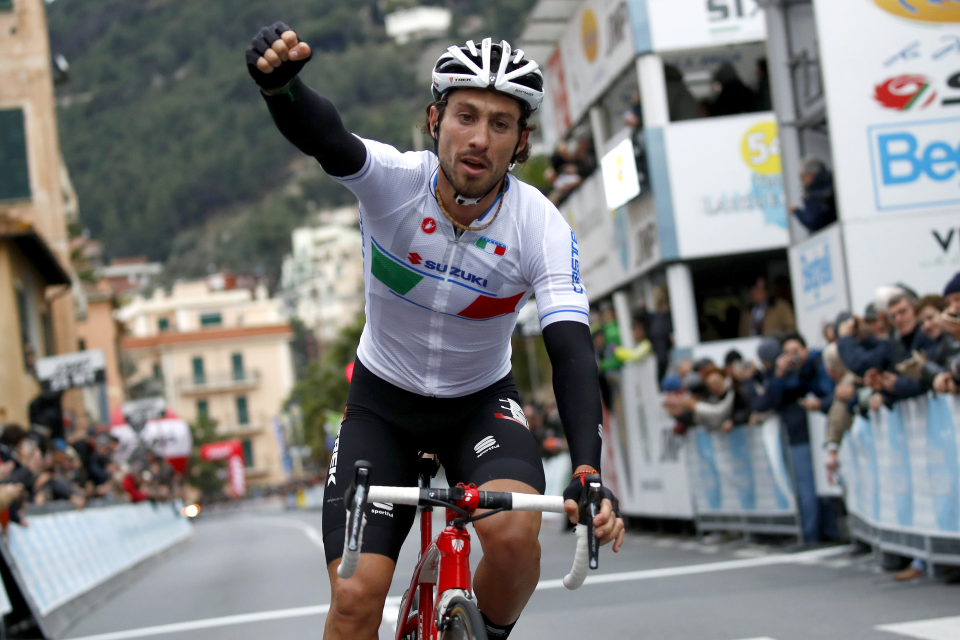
{"x":577,"y":388}
{"x":312,"y":124}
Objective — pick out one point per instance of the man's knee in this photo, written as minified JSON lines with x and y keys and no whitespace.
{"x":511,"y":539}
{"x":359,"y":600}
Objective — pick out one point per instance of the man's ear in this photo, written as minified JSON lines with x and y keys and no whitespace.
{"x":434,"y":123}
{"x":523,"y":138}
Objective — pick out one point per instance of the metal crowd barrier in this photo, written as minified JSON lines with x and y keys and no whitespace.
{"x":53,"y":569}
{"x":741,"y":480}
{"x":901,"y":473}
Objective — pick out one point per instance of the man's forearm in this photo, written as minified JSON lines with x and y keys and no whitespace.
{"x":577,"y":390}
{"x":312,"y":124}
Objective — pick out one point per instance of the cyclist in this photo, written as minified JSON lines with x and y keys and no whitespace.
{"x":453,"y":247}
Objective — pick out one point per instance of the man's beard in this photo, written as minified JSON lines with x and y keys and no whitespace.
{"x":469,"y":188}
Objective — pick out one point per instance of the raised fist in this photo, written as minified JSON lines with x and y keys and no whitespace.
{"x":275,"y":56}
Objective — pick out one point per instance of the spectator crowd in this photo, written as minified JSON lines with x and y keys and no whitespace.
{"x":904,"y":345}
{"x":39,"y":466}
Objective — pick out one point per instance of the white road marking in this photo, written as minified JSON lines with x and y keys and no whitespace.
{"x":312,"y":534}
{"x":392,"y":604}
{"x":709,"y":567}
{"x":933,"y":629}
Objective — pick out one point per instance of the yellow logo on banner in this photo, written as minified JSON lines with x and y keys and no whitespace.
{"x":761,"y":148}
{"x":589,"y":35}
{"x":924,"y":10}
{"x":619,"y":168}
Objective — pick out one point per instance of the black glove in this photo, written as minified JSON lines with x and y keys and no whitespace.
{"x":259,"y":45}
{"x":577,"y":487}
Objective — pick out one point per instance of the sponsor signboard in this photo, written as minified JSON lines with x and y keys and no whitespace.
{"x":692,"y":24}
{"x":893,"y":101}
{"x":819,"y":283}
{"x":615,"y":245}
{"x":595,"y":48}
{"x":72,"y":370}
{"x":726,"y":185}
{"x":621,"y":184}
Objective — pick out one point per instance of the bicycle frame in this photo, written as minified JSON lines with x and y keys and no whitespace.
{"x":444,"y":563}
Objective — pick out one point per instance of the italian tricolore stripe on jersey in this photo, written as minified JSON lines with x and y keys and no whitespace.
{"x":490,"y":246}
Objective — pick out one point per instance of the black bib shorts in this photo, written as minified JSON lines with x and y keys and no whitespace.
{"x":477,"y":438}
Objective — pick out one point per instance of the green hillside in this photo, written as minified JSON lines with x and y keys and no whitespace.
{"x":169,"y":145}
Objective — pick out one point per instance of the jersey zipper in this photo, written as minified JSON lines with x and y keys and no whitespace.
{"x":437,"y":320}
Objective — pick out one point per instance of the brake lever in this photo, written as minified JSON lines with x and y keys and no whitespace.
{"x":590,"y":500}
{"x":356,"y":497}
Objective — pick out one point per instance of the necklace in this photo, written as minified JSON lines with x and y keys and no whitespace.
{"x":464,"y":227}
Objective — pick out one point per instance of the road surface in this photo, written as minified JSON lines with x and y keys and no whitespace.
{"x":261,"y":574}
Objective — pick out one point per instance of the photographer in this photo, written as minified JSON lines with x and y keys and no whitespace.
{"x":797,"y":374}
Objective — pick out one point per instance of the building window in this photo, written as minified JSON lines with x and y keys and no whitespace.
{"x":203,"y":410}
{"x":49,"y":341}
{"x":238,"y":373}
{"x":243,"y":416}
{"x":163,"y":324}
{"x":81,"y":345}
{"x":157,"y":372}
{"x":13,"y":161}
{"x":198,"y":375}
{"x":247,"y":452}
{"x":211,"y":319}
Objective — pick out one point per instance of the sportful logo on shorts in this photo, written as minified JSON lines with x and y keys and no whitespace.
{"x":516,"y":412}
{"x":487,"y":444}
{"x":382,"y":508}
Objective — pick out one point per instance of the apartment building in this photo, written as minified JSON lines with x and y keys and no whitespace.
{"x":36,"y":198}
{"x":322,"y":281}
{"x":219,"y":349}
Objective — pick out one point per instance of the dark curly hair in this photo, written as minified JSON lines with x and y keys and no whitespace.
{"x":522,"y":154}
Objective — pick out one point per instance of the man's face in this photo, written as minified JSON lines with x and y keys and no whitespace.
{"x":796,"y":350}
{"x":758,"y":293}
{"x":479,"y":134}
{"x":953,"y":300}
{"x":928,"y":321}
{"x":903,"y":317}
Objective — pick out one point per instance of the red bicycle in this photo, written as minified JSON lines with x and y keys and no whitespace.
{"x":444,"y":563}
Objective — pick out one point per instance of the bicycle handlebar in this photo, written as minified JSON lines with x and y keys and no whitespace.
{"x":360,"y":492}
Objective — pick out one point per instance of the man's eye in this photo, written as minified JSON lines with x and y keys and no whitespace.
{"x":465,"y":117}
{"x":501,"y":126}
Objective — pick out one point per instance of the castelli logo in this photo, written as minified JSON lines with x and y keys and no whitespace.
{"x":457,"y":545}
{"x":428,"y":226}
{"x":905,"y":92}
{"x":922,"y":10}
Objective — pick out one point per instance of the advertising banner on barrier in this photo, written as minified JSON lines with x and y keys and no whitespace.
{"x":595,"y":48}
{"x":819,"y":283}
{"x":695,"y":24}
{"x":649,"y":458}
{"x":725,"y":185}
{"x":901,"y":468}
{"x":743,"y":472}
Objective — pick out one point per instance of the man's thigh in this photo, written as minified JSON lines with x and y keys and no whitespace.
{"x":393,"y":460}
{"x":493,"y":443}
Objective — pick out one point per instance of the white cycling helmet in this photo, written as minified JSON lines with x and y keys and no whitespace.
{"x":466,"y":67}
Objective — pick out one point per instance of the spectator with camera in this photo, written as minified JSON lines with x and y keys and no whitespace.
{"x":796,"y":383}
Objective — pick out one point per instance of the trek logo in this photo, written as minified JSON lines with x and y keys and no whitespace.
{"x":332,"y":471}
{"x":383,"y":509}
{"x":485,"y":445}
{"x":428,"y":226}
{"x":516,"y":412}
{"x":457,"y":545}
{"x":455,"y":272}
{"x":916,"y":165}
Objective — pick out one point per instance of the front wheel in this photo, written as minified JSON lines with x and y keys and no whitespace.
{"x":462,"y":621}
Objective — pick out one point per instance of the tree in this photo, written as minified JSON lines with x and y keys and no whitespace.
{"x":205,"y":476}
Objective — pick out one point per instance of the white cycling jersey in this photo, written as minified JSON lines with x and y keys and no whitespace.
{"x":441,"y":310}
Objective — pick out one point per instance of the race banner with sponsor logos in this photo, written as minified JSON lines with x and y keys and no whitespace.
{"x":695,"y":24}
{"x":818,"y":273}
{"x":902,"y":472}
{"x":725,"y":185}
{"x":72,"y":370}
{"x":893,"y":102}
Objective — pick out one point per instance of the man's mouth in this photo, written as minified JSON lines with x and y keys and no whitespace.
{"x":473,"y":166}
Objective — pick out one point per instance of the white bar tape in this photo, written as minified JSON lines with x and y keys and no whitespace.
{"x":350,"y":559}
{"x":581,"y":559}
{"x":394,"y":495}
{"x":531,"y":502}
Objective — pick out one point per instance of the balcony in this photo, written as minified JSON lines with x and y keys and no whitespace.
{"x":218,"y":382}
